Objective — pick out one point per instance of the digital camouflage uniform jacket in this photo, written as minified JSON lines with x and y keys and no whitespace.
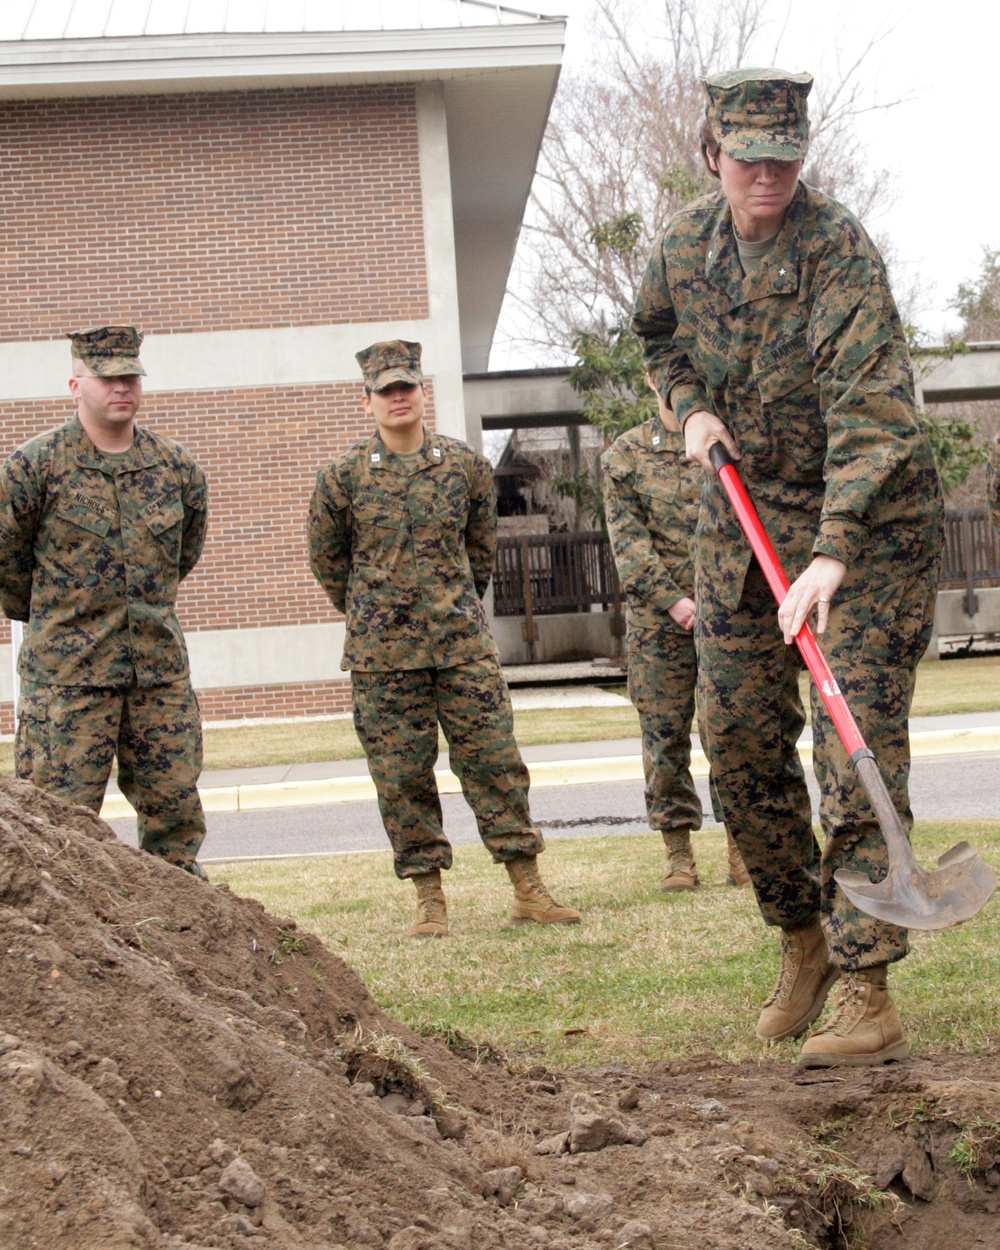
{"x":806,"y":363}
{"x":405,"y":548}
{"x":91,"y":555}
{"x":651,"y":494}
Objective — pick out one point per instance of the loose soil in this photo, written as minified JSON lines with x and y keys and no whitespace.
{"x":180,"y":1070}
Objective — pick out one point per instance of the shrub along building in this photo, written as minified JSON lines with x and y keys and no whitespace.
{"x":262,"y":201}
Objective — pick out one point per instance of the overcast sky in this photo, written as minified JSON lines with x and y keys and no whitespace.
{"x":942,"y":55}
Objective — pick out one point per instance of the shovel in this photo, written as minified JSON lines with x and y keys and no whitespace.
{"x":907,"y":895}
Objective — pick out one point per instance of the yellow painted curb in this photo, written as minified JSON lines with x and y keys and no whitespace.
{"x":609,"y":768}
{"x":956,"y":742}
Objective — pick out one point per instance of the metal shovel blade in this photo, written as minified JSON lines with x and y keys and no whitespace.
{"x":916,"y":899}
{"x":907,"y":895}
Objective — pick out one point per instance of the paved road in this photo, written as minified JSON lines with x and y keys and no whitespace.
{"x":942,"y":787}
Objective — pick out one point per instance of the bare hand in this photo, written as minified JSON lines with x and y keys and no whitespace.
{"x":814,"y":589}
{"x":701,"y":430}
{"x":683,"y":613}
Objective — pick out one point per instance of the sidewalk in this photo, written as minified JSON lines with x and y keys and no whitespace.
{"x":569,"y":763}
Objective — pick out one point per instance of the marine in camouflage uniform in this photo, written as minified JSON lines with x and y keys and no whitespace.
{"x":651,"y":497}
{"x":100,"y":520}
{"x":784,"y":343}
{"x":402,"y":536}
{"x":993,"y":481}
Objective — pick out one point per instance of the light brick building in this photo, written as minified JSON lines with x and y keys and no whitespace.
{"x":262,"y":200}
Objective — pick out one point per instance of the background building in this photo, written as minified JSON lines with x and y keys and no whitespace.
{"x":262,"y":199}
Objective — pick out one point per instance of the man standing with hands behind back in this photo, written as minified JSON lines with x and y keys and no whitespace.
{"x":100,"y":520}
{"x":651,"y":496}
{"x":402,"y":536}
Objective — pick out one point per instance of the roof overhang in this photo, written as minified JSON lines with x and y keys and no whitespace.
{"x":159,"y":63}
{"x":498,"y":83}
{"x":946,"y":376}
{"x":522,"y":399}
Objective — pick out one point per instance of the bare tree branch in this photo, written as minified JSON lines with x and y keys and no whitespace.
{"x":622,"y":143}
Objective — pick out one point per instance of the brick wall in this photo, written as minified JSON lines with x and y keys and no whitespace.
{"x":216,"y":211}
{"x":299,"y":699}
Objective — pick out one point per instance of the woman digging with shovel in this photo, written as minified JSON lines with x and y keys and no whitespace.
{"x":768,"y":325}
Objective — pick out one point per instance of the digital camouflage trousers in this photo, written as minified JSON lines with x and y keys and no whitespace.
{"x":662,"y":676}
{"x":396,"y":715}
{"x":752,"y":717}
{"x":68,"y":737}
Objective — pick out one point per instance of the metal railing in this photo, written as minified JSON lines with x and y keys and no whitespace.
{"x":540,"y":574}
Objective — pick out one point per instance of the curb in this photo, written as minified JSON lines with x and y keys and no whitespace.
{"x":270,"y":795}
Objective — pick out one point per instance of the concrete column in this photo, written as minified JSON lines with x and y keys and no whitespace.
{"x":443,"y":347}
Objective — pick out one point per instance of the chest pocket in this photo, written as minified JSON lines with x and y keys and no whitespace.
{"x":451,"y":507}
{"x":164,"y":519}
{"x":80,"y":517}
{"x":705,"y":346}
{"x":164,"y":516}
{"x":379,"y":528}
{"x":378,"y":511}
{"x":784,"y":369}
{"x":660,"y":493}
{"x":667,"y":512}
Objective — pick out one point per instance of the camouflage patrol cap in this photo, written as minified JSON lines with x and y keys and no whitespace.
{"x":385,"y":363}
{"x":109,"y":351}
{"x":759,"y":114}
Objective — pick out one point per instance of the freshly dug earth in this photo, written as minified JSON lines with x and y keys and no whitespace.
{"x":179,"y":1070}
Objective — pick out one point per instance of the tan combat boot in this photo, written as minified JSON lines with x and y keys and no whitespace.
{"x":432,"y":911}
{"x":804,"y":979}
{"x":864,"y":1026}
{"x":682,"y":871}
{"x":737,"y":874}
{"x":532,"y":901}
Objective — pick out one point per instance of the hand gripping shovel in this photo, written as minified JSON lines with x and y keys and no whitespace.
{"x":908,"y":895}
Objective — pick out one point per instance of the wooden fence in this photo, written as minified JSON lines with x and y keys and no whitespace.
{"x":541,"y":574}
{"x":971,"y":553}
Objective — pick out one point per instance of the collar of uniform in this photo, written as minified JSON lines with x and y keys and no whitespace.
{"x":661,"y":439}
{"x":430,"y":452}
{"x":141,"y":455}
{"x":778,"y":272}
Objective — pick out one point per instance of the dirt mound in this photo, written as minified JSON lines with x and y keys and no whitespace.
{"x":180,"y":1070}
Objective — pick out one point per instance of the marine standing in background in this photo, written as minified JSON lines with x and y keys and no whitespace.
{"x":651,"y":497}
{"x":768,"y":325}
{"x":402,"y":537}
{"x":100,"y":521}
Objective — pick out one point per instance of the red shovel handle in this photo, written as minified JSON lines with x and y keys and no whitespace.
{"x":840,"y":713}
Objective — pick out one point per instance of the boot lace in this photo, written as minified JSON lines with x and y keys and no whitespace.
{"x":431,"y":909}
{"x":791,"y":952}
{"x":533,"y":880}
{"x":848,"y":1005}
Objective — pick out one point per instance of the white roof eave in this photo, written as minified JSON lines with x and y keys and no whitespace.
{"x":62,"y":67}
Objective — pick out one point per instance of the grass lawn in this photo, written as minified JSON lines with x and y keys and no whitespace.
{"x":645,"y":976}
{"x":966,"y":685}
